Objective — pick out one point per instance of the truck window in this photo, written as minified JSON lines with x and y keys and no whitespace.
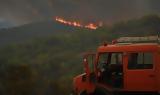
{"x":116,"y":58}
{"x":109,"y":58}
{"x":103,"y":58}
{"x":140,"y":61}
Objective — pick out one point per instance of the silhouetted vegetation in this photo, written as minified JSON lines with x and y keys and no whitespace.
{"x":47,"y":65}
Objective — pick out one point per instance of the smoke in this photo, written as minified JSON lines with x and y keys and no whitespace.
{"x":109,"y":11}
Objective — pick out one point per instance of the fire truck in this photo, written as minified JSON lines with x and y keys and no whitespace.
{"x":128,"y":65}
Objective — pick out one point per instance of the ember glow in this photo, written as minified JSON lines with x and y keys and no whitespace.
{"x":76,"y":24}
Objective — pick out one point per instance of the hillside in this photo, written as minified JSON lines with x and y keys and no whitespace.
{"x":47,"y":64}
{"x":31,"y":31}
{"x":147,"y":25}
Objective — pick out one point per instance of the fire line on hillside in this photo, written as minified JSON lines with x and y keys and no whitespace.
{"x":77,"y":24}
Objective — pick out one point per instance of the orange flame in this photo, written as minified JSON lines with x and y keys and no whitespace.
{"x":91,"y":26}
{"x":76,"y":24}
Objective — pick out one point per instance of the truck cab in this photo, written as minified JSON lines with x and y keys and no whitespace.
{"x":118,"y":68}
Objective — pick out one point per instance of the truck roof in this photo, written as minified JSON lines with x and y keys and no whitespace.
{"x":129,"y":47}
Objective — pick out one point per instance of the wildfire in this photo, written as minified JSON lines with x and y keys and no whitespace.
{"x":76,"y":24}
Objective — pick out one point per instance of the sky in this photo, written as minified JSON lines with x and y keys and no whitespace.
{"x":19,"y":12}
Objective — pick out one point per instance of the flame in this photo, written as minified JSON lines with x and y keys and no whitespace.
{"x":76,"y":24}
{"x":91,"y":26}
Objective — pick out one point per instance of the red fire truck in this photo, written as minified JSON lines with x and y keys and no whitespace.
{"x":127,"y":65}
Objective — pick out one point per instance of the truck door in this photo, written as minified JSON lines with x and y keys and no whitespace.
{"x":89,"y":60}
{"x":139,"y":74}
{"x":110,"y":65}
